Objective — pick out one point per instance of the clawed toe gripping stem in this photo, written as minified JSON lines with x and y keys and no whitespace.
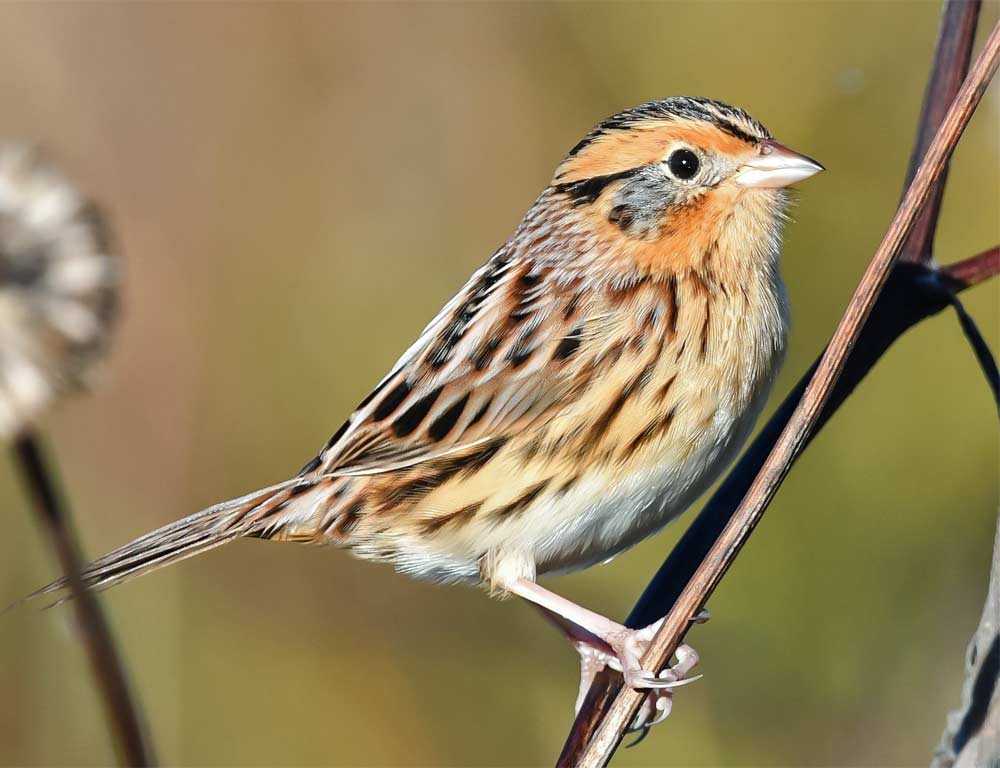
{"x":602,"y":643}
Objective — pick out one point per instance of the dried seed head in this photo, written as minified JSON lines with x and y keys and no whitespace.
{"x":57,"y":286}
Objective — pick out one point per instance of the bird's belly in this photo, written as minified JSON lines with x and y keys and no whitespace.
{"x":606,"y":515}
{"x":607,"y":510}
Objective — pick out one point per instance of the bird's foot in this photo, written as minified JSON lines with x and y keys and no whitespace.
{"x":602,"y":643}
{"x":595,"y":656}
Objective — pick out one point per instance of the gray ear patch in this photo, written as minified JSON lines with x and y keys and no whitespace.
{"x":638,"y":203}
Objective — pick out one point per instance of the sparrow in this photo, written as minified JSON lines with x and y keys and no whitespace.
{"x":581,"y":390}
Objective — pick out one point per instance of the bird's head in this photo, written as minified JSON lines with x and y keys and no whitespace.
{"x":676,"y":178}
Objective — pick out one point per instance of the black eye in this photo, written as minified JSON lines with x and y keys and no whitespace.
{"x":683,"y":164}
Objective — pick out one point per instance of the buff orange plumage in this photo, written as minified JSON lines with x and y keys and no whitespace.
{"x":581,"y":390}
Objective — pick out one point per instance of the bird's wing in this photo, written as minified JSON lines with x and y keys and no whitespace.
{"x":498,"y":357}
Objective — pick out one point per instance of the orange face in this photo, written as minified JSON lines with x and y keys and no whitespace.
{"x":664,"y":185}
{"x":631,"y":191}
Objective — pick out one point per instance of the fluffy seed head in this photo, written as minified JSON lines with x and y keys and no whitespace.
{"x":57,"y":286}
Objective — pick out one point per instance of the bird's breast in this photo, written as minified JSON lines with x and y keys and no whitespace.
{"x":647,"y":459}
{"x":661,"y":403}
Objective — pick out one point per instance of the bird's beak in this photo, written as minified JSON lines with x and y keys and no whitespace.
{"x":774,"y":166}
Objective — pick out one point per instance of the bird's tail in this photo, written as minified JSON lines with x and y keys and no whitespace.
{"x":250,"y":515}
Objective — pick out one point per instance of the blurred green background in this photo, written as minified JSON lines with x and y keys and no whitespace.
{"x":297,"y":189}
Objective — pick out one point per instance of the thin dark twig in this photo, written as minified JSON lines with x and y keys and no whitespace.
{"x":795,"y":435}
{"x":962,"y":276}
{"x":910,"y":296}
{"x":980,"y":348}
{"x":122,"y":710}
{"x":975,"y":270}
{"x":952,"y":54}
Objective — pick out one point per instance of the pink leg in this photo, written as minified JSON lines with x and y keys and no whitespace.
{"x":626,"y":645}
{"x":596,"y":654}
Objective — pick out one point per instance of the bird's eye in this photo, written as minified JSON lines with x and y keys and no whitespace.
{"x":683,"y":164}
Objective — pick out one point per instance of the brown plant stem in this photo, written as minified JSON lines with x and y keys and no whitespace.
{"x":122,"y":711}
{"x":973,"y":271}
{"x":805,"y":416}
{"x":952,"y":54}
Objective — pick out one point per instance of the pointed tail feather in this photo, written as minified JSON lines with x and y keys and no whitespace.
{"x":177,"y":541}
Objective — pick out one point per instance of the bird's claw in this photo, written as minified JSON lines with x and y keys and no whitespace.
{"x":625,"y":657}
{"x":657,"y":704}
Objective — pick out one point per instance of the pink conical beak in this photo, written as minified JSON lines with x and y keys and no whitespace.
{"x":776,"y":166}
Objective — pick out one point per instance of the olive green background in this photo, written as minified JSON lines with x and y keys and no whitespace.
{"x":296,"y":190}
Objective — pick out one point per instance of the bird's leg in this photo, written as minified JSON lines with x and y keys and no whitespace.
{"x":595,"y":655}
{"x":601,"y":641}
